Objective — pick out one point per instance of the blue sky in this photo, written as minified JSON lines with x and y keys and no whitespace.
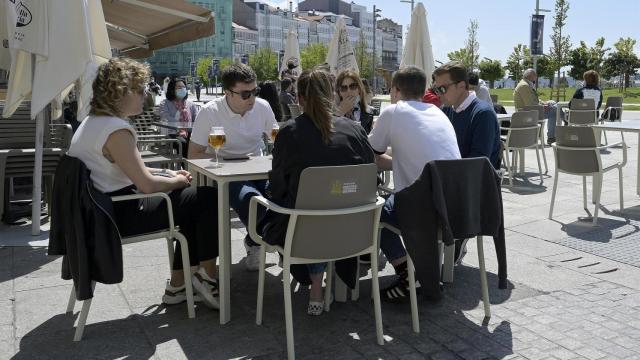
{"x":505,"y":23}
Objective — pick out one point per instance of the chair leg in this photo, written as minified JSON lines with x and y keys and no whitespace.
{"x":355,"y":293}
{"x":261,"y":270}
{"x":544,"y":156}
{"x":288,"y":316}
{"x":186,"y":269}
{"x":483,"y":278}
{"x":620,"y":187}
{"x":72,"y":299}
{"x":584,"y":193}
{"x":328,"y":287}
{"x":509,"y":167}
{"x":539,"y":167}
{"x":375,"y":293}
{"x":553,"y":194}
{"x":449,"y":263}
{"x":82,"y":318}
{"x":415,"y":321}
{"x":597,"y":178}
{"x":597,"y":187}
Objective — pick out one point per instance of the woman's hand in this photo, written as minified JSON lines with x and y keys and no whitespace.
{"x":347,"y":104}
{"x":183,"y":133}
{"x":184,"y":173}
{"x":181,"y":181}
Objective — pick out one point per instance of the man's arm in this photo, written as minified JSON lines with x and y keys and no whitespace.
{"x":484,"y":131}
{"x":197,"y":151}
{"x":383,"y":162}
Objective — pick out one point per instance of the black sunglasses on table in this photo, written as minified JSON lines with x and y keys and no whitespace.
{"x":247,"y":93}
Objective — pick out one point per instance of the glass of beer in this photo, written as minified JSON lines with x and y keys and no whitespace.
{"x":274,"y":132}
{"x":217,"y":139}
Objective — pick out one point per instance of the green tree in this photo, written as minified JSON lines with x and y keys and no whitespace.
{"x":364,"y":58}
{"x":265,"y":63}
{"x":472,"y":45}
{"x":461,"y":55}
{"x":224,"y":63}
{"x":560,"y":44}
{"x":545,"y":68}
{"x":202,"y":70}
{"x":518,"y":61}
{"x":583,"y":58}
{"x":313,"y":55}
{"x":491,"y":70}
{"x":623,"y":62}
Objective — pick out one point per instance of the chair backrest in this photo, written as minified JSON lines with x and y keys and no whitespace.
{"x":538,"y":108}
{"x":494,"y":98}
{"x":18,"y":131}
{"x":613,"y":108}
{"x":295,"y":110}
{"x":584,"y":158}
{"x":376,"y":104}
{"x":59,"y":136}
{"x":332,"y":188}
{"x":523,"y":131}
{"x":582,"y":112}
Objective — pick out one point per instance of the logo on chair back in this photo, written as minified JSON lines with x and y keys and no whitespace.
{"x":23,"y":15}
{"x":338,"y":188}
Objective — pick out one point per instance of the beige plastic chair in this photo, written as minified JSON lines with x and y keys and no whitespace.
{"x":577,"y":153}
{"x":613,"y":111}
{"x":170,"y":233}
{"x":582,"y":113}
{"x":336,"y":217}
{"x":524,"y":133}
{"x":542,"y":121}
{"x":295,"y":110}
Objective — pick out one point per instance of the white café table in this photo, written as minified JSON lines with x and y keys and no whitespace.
{"x":626,"y":126}
{"x":255,"y":168}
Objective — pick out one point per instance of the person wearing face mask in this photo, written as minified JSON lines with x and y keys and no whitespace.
{"x":176,"y":108}
{"x":351,"y":100}
{"x":525,"y":95}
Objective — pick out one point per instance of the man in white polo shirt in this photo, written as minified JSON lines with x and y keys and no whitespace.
{"x":418,"y":133}
{"x":244,"y":118}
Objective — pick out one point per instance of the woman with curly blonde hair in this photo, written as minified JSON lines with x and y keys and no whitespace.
{"x":106,"y":143}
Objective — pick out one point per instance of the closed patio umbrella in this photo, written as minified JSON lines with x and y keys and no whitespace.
{"x":417,"y":48}
{"x":341,"y":56}
{"x":291,"y":53}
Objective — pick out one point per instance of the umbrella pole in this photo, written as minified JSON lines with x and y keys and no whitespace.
{"x":37,"y":171}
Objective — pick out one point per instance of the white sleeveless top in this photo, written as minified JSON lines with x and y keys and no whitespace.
{"x":87,"y":144}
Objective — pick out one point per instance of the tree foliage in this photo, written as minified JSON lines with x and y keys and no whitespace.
{"x":491,"y":70}
{"x":265,"y":63}
{"x":518,"y":61}
{"x":622,"y":62}
{"x":472,"y":45}
{"x":461,"y":55}
{"x":364,"y":58}
{"x":583,"y":58}
{"x":560,"y":44}
{"x":202,"y":70}
{"x":313,"y":55}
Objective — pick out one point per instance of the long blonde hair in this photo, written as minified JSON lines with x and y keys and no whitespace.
{"x":114,"y":80}
{"x":317,"y":90}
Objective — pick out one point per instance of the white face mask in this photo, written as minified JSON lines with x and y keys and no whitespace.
{"x":181,"y":93}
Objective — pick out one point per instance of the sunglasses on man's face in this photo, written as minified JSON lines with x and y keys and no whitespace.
{"x":352,"y":86}
{"x":246,"y":94}
{"x":442,"y":89}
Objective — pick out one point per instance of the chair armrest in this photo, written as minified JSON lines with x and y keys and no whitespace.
{"x":148,"y":196}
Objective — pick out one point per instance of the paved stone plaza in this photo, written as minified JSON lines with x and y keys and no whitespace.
{"x":574,"y":293}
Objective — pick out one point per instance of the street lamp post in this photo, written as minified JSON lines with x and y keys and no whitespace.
{"x":412,"y":2}
{"x":535,"y":57}
{"x":373,"y":80}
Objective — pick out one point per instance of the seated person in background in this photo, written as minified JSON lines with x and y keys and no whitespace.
{"x":106,"y":143}
{"x":590,"y":90}
{"x":286,"y":97}
{"x":244,"y":118}
{"x":475,"y":122}
{"x":482,"y":92}
{"x":417,"y":133}
{"x":525,"y":95}
{"x":177,"y":108}
{"x":430,"y":96}
{"x":269,"y":92}
{"x":315,"y":138}
{"x":290,"y":72}
{"x":351,"y":100}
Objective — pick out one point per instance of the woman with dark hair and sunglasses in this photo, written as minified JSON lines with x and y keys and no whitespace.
{"x":316,"y":138}
{"x":352,"y":99}
{"x":269,"y":92}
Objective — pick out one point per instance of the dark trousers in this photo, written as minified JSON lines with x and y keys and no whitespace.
{"x":194,"y":211}
{"x":240,"y":194}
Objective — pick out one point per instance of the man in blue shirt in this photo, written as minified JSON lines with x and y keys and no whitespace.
{"x":473,"y":120}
